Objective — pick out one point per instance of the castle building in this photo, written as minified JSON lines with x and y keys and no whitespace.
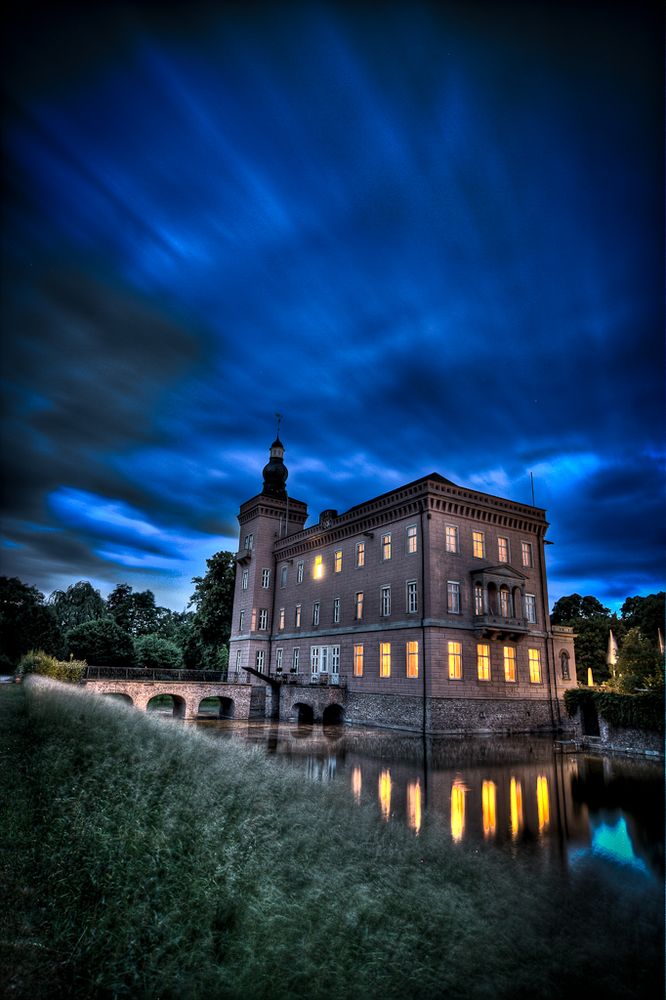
{"x":425,"y":608}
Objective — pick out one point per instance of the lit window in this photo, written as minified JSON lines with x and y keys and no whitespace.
{"x":241,"y":621}
{"x":360,"y":554}
{"x":263,"y":619}
{"x":386,"y":601}
{"x":278,"y":661}
{"x":451,"y":538}
{"x":412,"y":659}
{"x":314,"y":659}
{"x":281,"y":618}
{"x":359,"y":605}
{"x":244,"y":579}
{"x":315,"y":613}
{"x":385,"y":794}
{"x":503,"y":549}
{"x":516,"y":807}
{"x":478,"y":599}
{"x":505,"y":602}
{"x":483,"y":661}
{"x":358,"y":661}
{"x":318,"y":569}
{"x":336,"y":610}
{"x":543,"y":803}
{"x":458,"y":790}
{"x":530,"y":608}
{"x":297,"y":620}
{"x":414,"y":805}
{"x":453,"y":597}
{"x":509,"y":664}
{"x":259,"y":658}
{"x":253,"y":620}
{"x":526,"y":552}
{"x":249,"y":542}
{"x":384,"y":659}
{"x":265,"y":578}
{"x":412,"y":599}
{"x":411,"y":538}
{"x":295,"y":657}
{"x":534,"y":656}
{"x":564,"y":665}
{"x":478,"y":545}
{"x":386,"y":547}
{"x":489,"y":808}
{"x":455,"y":661}
{"x":300,"y":571}
{"x":283,"y":576}
{"x":338,"y":561}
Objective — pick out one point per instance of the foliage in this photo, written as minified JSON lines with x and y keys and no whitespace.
{"x":101,"y":643}
{"x":39,"y":662}
{"x":638,"y":663}
{"x":25,"y":621}
{"x":176,"y":870}
{"x":574,"y":608}
{"x":213,"y":602}
{"x":134,"y":611}
{"x":646,"y":614}
{"x":592,"y":623}
{"x":625,"y":711}
{"x":79,"y":603}
{"x":154,"y":653}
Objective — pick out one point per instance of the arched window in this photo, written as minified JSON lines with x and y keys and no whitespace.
{"x":564,"y":664}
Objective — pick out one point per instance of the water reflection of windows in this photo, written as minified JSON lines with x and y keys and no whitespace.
{"x":414,"y":805}
{"x":543,"y":803}
{"x":516,"y":807}
{"x":458,"y":790}
{"x":385,"y":794}
{"x":489,"y":808}
{"x":356,"y":782}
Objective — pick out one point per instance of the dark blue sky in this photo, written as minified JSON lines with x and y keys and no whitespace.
{"x":429,"y":235}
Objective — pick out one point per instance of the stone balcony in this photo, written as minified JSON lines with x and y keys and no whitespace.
{"x":493,"y":626}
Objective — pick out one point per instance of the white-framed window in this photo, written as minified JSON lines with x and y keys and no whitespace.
{"x":300,"y":572}
{"x":455,"y":661}
{"x":297,"y":616}
{"x":281,"y":614}
{"x":358,"y":660}
{"x":384,"y":659}
{"x":336,"y":610}
{"x":278,"y":660}
{"x":263,"y":619}
{"x":334,"y":660}
{"x":253,"y":620}
{"x":265,"y":578}
{"x":412,"y":658}
{"x":412,"y":597}
{"x":358,"y":605}
{"x":478,"y":545}
{"x":314,"y":659}
{"x":284,"y":570}
{"x":241,"y":621}
{"x":530,"y":608}
{"x":259,"y":659}
{"x":245,"y":579}
{"x":337,"y":561}
{"x":385,"y":601}
{"x":295,"y":658}
{"x":238,"y":660}
{"x":534,"y":658}
{"x":412,"y":538}
{"x":325,"y":659}
{"x":318,"y":567}
{"x":453,"y":597}
{"x":386,"y":546}
{"x":360,"y":554}
{"x":526,"y":554}
{"x":451,"y":532}
{"x":249,"y":542}
{"x":478,"y":599}
{"x":483,"y":661}
{"x":503,"y":549}
{"x":509,"y":664}
{"x":315,"y":613}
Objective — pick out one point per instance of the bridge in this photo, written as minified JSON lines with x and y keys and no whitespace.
{"x":302,"y":702}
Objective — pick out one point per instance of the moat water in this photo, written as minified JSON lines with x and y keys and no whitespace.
{"x":522,"y":794}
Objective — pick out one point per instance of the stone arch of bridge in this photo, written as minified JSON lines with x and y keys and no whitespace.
{"x":334,"y":715}
{"x":179,"y":704}
{"x":226,"y":707}
{"x":303,"y":713}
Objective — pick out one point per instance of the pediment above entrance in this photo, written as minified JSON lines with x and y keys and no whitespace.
{"x":502,"y":572}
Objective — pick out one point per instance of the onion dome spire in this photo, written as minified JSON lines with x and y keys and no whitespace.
{"x":276,"y":472}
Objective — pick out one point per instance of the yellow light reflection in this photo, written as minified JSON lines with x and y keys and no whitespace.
{"x":458,"y":810}
{"x":414,"y":805}
{"x":489,"y":806}
{"x":318,"y":571}
{"x":357,"y":782}
{"x":543,"y":803}
{"x":516,"y":800}
{"x":385,"y":794}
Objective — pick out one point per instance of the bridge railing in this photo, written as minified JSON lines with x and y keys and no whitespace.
{"x":142,"y":674}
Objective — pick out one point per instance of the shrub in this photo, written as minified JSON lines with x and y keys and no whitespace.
{"x":102,"y":643}
{"x":39,"y":662}
{"x":154,"y":653}
{"x":625,"y":711}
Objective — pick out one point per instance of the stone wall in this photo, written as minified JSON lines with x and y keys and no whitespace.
{"x":630,"y":741}
{"x":187,"y":695}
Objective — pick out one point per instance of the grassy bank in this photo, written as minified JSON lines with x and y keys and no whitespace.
{"x":144,"y":860}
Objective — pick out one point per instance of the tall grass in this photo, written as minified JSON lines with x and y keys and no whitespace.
{"x":149,"y":861}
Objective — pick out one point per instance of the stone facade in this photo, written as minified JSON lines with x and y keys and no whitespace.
{"x":431,"y":593}
{"x":235,"y":698}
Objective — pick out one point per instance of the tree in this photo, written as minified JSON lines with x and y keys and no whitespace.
{"x":574,"y":608}
{"x":592,"y":623}
{"x":26,"y":622}
{"x":638,"y":664}
{"x":154,"y":653}
{"x":79,"y":603}
{"x":213,"y":599}
{"x":101,"y":642}
{"x":134,"y":611}
{"x":646,"y":614}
